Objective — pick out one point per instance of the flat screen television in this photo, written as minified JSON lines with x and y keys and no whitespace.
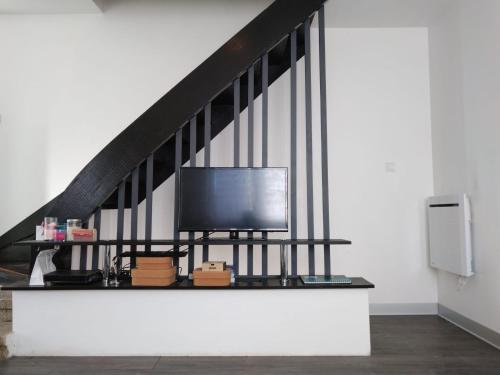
{"x":233,"y":199}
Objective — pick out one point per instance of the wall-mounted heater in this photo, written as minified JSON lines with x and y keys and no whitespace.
{"x":449,"y":229}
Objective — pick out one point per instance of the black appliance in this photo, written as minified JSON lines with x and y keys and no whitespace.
{"x":72,"y":277}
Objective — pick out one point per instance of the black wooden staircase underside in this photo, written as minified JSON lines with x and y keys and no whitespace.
{"x":154,"y":131}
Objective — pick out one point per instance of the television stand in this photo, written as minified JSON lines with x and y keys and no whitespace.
{"x":72,"y":309}
{"x":170,"y":317}
{"x":36,"y":246}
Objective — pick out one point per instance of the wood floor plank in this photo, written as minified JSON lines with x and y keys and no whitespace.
{"x":400,"y":345}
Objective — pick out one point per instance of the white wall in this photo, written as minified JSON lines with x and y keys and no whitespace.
{"x":383,"y":13}
{"x":465,"y":81}
{"x":379,"y":118}
{"x":70,"y":83}
{"x":379,"y":113}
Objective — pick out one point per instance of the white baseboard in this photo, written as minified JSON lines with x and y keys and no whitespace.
{"x":484,"y":333}
{"x":403,"y":308}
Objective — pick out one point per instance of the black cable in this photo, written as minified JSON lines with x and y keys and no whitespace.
{"x":196,"y":239}
{"x":122,"y":268}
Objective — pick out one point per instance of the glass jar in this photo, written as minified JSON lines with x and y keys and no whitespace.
{"x":60,"y":233}
{"x":49,"y":228}
{"x":70,"y":225}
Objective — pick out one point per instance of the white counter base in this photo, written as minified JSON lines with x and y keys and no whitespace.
{"x":189,"y":323}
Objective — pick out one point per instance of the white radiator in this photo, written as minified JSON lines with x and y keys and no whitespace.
{"x":449,"y":230}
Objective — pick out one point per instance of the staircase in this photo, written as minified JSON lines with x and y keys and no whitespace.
{"x":5,"y":322}
{"x":183,"y":122}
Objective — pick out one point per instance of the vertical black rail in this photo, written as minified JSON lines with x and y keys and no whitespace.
{"x":120,"y":222}
{"x":149,"y":200}
{"x":192,"y":163}
{"x":178,"y":163}
{"x":134,"y":203}
{"x":95,"y":248}
{"x":309,"y":152}
{"x":293,"y":148}
{"x":236,"y":156}
{"x":265,"y":99}
{"x":324,"y":139}
{"x":207,"y":138}
{"x":251,"y":74}
{"x":83,"y":253}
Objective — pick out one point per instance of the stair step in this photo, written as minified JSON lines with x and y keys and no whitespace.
{"x":5,"y":329}
{"x":4,"y":353}
{"x":5,"y":316}
{"x":4,"y":294}
{"x":5,"y":304}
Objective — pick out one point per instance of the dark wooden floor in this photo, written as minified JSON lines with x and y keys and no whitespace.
{"x":400,"y":345}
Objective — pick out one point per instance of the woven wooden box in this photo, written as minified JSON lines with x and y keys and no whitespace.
{"x":154,"y":262}
{"x":153,"y":281}
{"x":211,"y":278}
{"x":147,"y":276}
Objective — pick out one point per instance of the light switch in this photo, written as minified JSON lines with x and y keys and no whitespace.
{"x":390,"y":167}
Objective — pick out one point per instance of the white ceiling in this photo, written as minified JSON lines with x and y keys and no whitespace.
{"x":339,"y":13}
{"x":383,"y":13}
{"x":48,"y":6}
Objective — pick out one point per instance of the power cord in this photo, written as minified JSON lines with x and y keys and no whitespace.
{"x":196,"y":239}
{"x":125,"y":273}
{"x":462,"y":280}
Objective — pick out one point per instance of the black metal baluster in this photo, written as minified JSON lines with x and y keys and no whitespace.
{"x":251,"y":73}
{"x":120,"y":222}
{"x":265,"y":84}
{"x":83,"y":253}
{"x":95,"y":248}
{"x":324,"y":140}
{"x":192,"y":163}
{"x":178,"y":163}
{"x":293,"y":148}
{"x":309,"y":152}
{"x":134,"y":203}
{"x":207,"y":139}
{"x":236,"y":156}
{"x":149,"y":200}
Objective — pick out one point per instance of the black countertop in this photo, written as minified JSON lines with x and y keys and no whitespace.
{"x":186,"y":242}
{"x":241,"y":283}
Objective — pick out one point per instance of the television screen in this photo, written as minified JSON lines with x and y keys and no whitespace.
{"x":233,"y":199}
